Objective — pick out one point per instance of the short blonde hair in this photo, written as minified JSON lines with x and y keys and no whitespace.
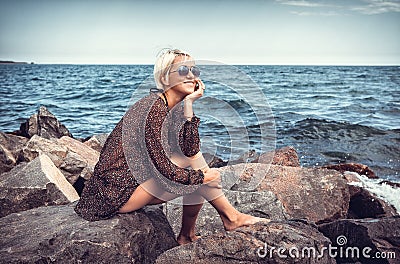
{"x":165,"y":59}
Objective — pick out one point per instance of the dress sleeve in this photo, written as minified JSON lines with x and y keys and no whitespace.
{"x":189,"y":140}
{"x":153,"y":129}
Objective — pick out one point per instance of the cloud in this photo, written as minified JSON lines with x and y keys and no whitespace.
{"x":373,"y":7}
{"x":302,"y":3}
{"x":328,"y":13}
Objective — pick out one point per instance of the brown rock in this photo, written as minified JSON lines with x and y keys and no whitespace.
{"x":248,"y":244}
{"x":319,"y":195}
{"x":353,"y":167}
{"x":286,"y":156}
{"x":355,"y":235}
{"x":7,"y":160}
{"x":43,"y":124}
{"x":38,"y":183}
{"x":10,"y":146}
{"x":56,"y":234}
{"x":12,"y":142}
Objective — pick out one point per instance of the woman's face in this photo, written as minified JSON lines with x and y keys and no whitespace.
{"x":182,"y":84}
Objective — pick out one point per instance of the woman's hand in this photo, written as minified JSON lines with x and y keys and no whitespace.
{"x":190,"y":98}
{"x":212,"y":178}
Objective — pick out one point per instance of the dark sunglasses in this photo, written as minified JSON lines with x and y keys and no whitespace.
{"x":183,"y":70}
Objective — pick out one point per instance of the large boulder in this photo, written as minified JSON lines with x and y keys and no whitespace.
{"x":56,"y":234}
{"x":275,"y":242}
{"x":365,"y":240}
{"x":43,"y":124}
{"x":319,"y":195}
{"x":72,"y":157}
{"x":261,"y":204}
{"x":38,"y":183}
{"x":286,"y":156}
{"x":10,"y":146}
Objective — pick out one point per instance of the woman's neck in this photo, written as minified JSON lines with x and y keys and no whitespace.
{"x":173,"y":98}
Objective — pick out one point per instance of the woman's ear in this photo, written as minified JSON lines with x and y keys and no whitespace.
{"x":165,"y":80}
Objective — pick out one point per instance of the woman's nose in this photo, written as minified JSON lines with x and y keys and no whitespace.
{"x":190,"y":75}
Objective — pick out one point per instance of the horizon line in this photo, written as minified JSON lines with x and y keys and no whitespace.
{"x":238,"y":64}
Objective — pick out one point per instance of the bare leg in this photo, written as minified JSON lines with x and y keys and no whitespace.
{"x":231,"y":218}
{"x":191,"y":207}
{"x":143,"y":195}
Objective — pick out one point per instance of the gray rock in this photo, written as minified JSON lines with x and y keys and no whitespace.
{"x":43,"y":124}
{"x":96,"y":142}
{"x":38,"y":183}
{"x":56,"y":234}
{"x":248,"y":244}
{"x":355,"y":235}
{"x":72,"y":157}
{"x":261,"y":204}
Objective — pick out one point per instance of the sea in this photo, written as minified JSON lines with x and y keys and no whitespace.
{"x":329,"y":114}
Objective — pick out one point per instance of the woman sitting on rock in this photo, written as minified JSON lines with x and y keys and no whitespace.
{"x":153,"y":155}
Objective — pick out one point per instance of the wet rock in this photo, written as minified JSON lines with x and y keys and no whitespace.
{"x":72,"y":157}
{"x":261,"y":204}
{"x":371,"y":235}
{"x":248,"y":244}
{"x":320,"y":195}
{"x":43,"y":124}
{"x":390,"y":183}
{"x":353,"y":167}
{"x":38,"y":183}
{"x":56,"y":234}
{"x":286,"y":156}
{"x":363,"y":204}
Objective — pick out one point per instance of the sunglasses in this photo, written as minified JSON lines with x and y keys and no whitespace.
{"x":183,"y":70}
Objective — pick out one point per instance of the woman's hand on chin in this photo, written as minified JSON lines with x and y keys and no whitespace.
{"x":197,"y":93}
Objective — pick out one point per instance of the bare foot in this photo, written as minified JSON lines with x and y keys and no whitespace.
{"x":182,"y":240}
{"x":242,"y":220}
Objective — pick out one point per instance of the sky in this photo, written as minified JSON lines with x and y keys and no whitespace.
{"x":270,"y":32}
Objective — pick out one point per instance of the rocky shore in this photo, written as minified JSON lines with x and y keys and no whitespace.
{"x":319,"y":214}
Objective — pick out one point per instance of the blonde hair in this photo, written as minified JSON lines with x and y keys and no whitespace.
{"x":165,"y":59}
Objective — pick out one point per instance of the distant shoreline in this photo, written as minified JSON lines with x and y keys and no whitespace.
{"x":14,"y":62}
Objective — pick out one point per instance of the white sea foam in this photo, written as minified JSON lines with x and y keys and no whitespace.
{"x":384,"y":191}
